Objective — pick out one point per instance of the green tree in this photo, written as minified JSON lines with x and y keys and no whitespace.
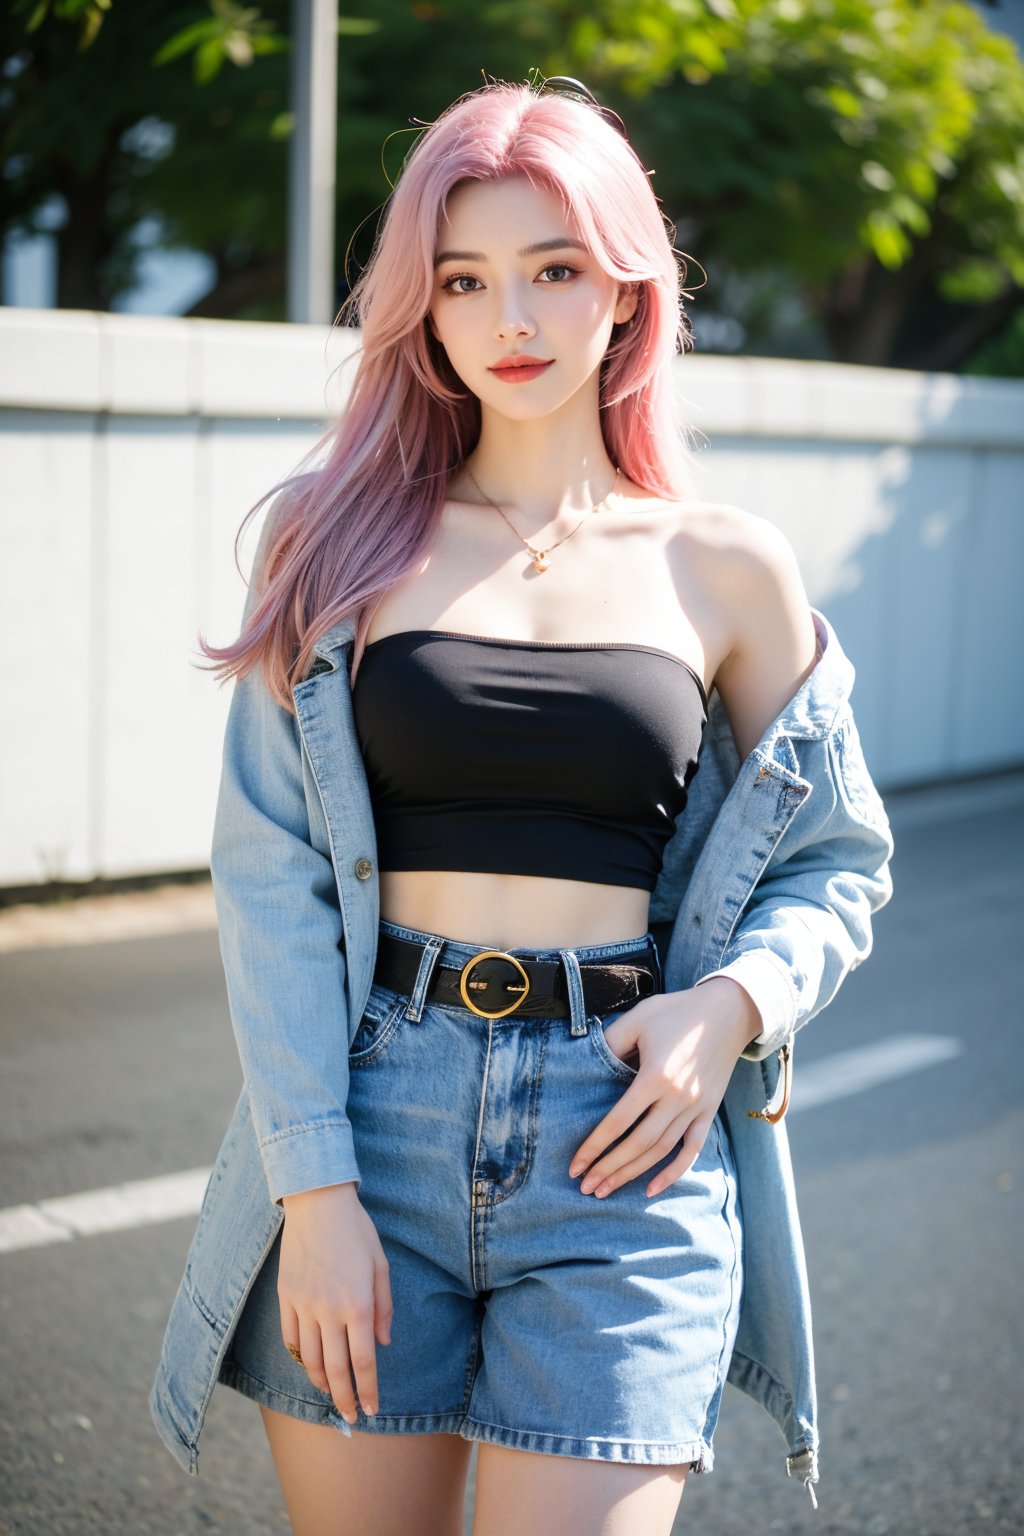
{"x":873,"y":151}
{"x":121,"y":140}
{"x":861,"y":161}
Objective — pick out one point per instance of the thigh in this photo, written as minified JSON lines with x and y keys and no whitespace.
{"x":368,"y":1485}
{"x":526,"y":1493}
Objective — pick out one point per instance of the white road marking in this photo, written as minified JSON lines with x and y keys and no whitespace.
{"x":114,"y":1209}
{"x":849,"y":1072}
{"x":123,"y":1206}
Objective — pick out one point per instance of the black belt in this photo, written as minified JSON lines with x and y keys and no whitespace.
{"x":494,"y":983}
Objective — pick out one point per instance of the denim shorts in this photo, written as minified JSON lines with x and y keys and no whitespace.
{"x":525,"y":1313}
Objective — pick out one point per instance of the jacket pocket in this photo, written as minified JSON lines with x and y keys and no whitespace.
{"x":853,"y":774}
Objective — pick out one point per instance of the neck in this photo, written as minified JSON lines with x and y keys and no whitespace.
{"x":542,"y":469}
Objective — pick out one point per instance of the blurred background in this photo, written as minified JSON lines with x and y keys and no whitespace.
{"x":847,"y":174}
{"x":186,"y":192}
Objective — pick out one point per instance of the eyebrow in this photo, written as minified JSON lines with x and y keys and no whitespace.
{"x":558,"y":244}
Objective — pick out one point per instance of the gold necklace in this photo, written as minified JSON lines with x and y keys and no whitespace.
{"x":540,"y":563}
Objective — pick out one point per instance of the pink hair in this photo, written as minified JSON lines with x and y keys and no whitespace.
{"x":349,"y":529}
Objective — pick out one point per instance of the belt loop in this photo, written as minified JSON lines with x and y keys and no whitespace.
{"x":574,"y":981}
{"x":659,"y":969}
{"x":428,"y":959}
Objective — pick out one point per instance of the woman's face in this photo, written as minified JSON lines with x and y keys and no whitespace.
{"x":513,"y":279}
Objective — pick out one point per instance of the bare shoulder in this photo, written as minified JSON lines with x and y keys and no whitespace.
{"x":732,"y":543}
{"x":745,"y":563}
{"x":768,"y":643}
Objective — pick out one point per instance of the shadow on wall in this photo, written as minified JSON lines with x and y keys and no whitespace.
{"x":914,"y":550}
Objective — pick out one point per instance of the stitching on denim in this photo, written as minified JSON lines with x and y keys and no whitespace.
{"x":233,"y":1368}
{"x":301,"y":1130}
{"x":687,"y":1449}
{"x":428,"y":963}
{"x":622,"y":1070}
{"x":386,"y":1032}
{"x":439,"y":1420}
{"x":727,"y":1163}
{"x":426,"y":1423}
{"x":579,"y":1023}
{"x":586,"y":952}
{"x":198,"y":1302}
{"x":533,"y":1108}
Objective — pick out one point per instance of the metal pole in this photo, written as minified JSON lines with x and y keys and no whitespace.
{"x":311,"y":161}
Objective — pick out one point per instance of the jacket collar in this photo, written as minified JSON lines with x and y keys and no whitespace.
{"x":334,"y":638}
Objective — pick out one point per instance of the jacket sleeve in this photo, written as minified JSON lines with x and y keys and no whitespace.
{"x":279,"y":923}
{"x":808,"y":920}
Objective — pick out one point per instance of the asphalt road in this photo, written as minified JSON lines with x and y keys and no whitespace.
{"x":118,"y":1064}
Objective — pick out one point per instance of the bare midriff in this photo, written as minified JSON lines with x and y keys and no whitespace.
{"x":512,"y":911}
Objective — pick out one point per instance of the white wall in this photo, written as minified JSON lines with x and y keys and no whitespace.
{"x":131,"y":448}
{"x":903,"y":495}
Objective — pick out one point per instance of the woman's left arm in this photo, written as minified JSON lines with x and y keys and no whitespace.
{"x":774,"y":646}
{"x":808,"y":921}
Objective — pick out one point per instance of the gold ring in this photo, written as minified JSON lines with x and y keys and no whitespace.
{"x":293,"y":1350}
{"x":464,"y":983}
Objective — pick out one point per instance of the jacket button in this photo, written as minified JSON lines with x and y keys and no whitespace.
{"x":364,"y":869}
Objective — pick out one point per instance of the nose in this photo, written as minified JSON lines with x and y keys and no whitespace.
{"x":514,"y":318}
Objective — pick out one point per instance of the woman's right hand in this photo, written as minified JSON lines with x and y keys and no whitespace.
{"x":335,"y":1293}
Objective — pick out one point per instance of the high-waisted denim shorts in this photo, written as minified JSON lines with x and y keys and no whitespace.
{"x":525,"y":1313}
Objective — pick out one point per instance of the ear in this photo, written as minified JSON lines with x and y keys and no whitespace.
{"x":628,"y":300}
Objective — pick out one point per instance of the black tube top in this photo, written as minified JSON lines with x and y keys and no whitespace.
{"x":526,"y":757}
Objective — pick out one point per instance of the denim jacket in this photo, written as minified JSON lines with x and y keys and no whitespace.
{"x":771,"y":877}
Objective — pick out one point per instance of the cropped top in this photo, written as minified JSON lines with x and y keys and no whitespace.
{"x":526,"y":757}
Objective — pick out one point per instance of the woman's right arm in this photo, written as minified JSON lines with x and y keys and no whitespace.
{"x":279,"y":924}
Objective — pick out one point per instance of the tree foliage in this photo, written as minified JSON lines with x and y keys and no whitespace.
{"x":865,"y":156}
{"x":123,"y":141}
{"x":873,"y":148}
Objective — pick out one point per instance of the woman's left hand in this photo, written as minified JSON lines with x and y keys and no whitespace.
{"x":688,"y":1044}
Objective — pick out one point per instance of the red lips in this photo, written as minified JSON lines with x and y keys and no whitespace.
{"x":520,"y":369}
{"x":519,"y":360}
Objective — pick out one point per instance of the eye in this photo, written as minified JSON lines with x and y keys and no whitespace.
{"x":459,"y":277}
{"x":562,"y":266}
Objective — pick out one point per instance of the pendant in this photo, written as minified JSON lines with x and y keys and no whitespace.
{"x":537,"y":556}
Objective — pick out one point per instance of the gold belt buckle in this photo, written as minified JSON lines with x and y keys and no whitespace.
{"x":465,"y":983}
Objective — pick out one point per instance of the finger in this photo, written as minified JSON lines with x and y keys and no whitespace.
{"x":636,"y":1099}
{"x":338,"y":1374}
{"x":289,"y":1327}
{"x":658,"y":1150}
{"x":646,"y":1135}
{"x":693,"y":1144}
{"x":363,"y":1351}
{"x":312,"y":1351}
{"x":382,"y":1308}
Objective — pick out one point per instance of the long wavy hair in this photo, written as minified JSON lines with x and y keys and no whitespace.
{"x":347,"y":530}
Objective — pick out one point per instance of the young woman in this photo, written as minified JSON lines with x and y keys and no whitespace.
{"x":480,"y":824}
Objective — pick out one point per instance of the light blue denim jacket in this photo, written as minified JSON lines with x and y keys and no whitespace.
{"x":772,"y":876}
